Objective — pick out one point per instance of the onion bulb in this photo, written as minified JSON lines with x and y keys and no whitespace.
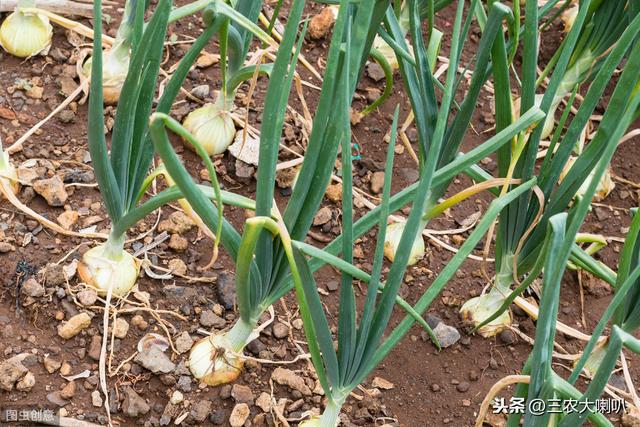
{"x":392,"y":241}
{"x":211,"y":361}
{"x":478,"y":309}
{"x":99,"y":270}
{"x":568,"y":17}
{"x":115,"y":66}
{"x":595,"y":359}
{"x":387,"y":51}
{"x":8,"y":173}
{"x":25,"y":34}
{"x":605,"y":186}
{"x":311,"y":422}
{"x":212,"y":126}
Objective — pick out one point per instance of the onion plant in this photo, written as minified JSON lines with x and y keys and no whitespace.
{"x":122,"y":172}
{"x":522,"y":227}
{"x":25,"y":33}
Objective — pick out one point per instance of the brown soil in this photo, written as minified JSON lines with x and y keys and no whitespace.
{"x":426,"y":382}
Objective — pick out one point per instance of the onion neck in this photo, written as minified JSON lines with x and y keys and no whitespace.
{"x":331,"y":414}
{"x":114,"y":247}
{"x":504,"y":277}
{"x":224,"y":101}
{"x":238,"y":336}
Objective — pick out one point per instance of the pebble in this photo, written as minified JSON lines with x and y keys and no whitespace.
{"x":178,"y":243}
{"x":242,"y":394}
{"x":333,"y":285}
{"x":68,"y":219}
{"x":280,"y":330}
{"x":56,"y":399}
{"x":95,"y":347}
{"x":120,"y":328}
{"x":375,"y":71}
{"x":377,"y":182}
{"x":334,"y":193}
{"x":184,"y":342}
{"x":217,"y":417}
{"x":139,"y":322}
{"x":289,"y":378}
{"x":226,"y":287}
{"x":463,"y":387}
{"x":32,"y":288}
{"x":176,"y":398}
{"x":68,"y":391}
{"x":155,"y":360}
{"x":435,"y":388}
{"x":209,"y":319}
{"x":52,"y":189}
{"x":177,"y":266}
{"x":73,"y":326}
{"x":507,"y":336}
{"x":201,"y":410}
{"x":447,"y":335}
{"x":11,"y":371}
{"x":177,"y":223}
{"x":54,"y":275}
{"x":27,"y":382}
{"x":201,"y":91}
{"x":96,"y":399}
{"x":133,"y":405}
{"x":87,"y":297}
{"x":6,"y":247}
{"x":51,"y":365}
{"x":239,"y":415}
{"x":264,"y":402}
{"x":323,"y":216}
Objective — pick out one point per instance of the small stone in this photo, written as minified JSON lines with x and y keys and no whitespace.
{"x":280,"y":330}
{"x":507,"y":336}
{"x":377,"y":182}
{"x":289,"y":378}
{"x":178,"y":243}
{"x":375,"y":71}
{"x":51,"y":365}
{"x":96,"y":399}
{"x":57,"y":399}
{"x":201,"y":410}
{"x":66,"y":116}
{"x":463,"y":387}
{"x":242,"y":394}
{"x":65,"y":369}
{"x":176,"y":398}
{"x":68,"y":391}
{"x":139,"y":322}
{"x":155,"y":360}
{"x":52,"y":189}
{"x":466,"y":402}
{"x":120,"y":328}
{"x":209,"y":319}
{"x":323,"y":216}
{"x":68,"y":219}
{"x":201,"y":91}
{"x":297,"y":324}
{"x":381,"y":383}
{"x":11,"y":371}
{"x":334,"y":193}
{"x":35,"y":92}
{"x":54,"y":275}
{"x":217,"y":417}
{"x":244,"y":170}
{"x":6,"y":247}
{"x":177,"y":223}
{"x":184,"y":342}
{"x":264,"y":402}
{"x":321,"y":24}
{"x":239,"y":415}
{"x":446,"y":335}
{"x":333,"y":285}
{"x":73,"y":326}
{"x":133,"y":405}
{"x":177,"y":266}
{"x":226,"y":287}
{"x":95,"y":347}
{"x":87,"y":297}
{"x":32,"y":288}
{"x":435,"y":388}
{"x":26,"y":383}
{"x":206,"y":59}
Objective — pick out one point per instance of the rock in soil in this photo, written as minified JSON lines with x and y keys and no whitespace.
{"x":280,"y":330}
{"x":289,"y":378}
{"x":73,"y":326}
{"x":52,"y":189}
{"x":26,"y":383}
{"x":176,"y":398}
{"x":68,"y":391}
{"x":57,"y":399}
{"x":120,"y":328}
{"x":87,"y":297}
{"x":209,"y":319}
{"x":377,"y":182}
{"x":334,"y":193}
{"x":184,"y":342}
{"x":11,"y":371}
{"x":375,"y":71}
{"x":323,"y":216}
{"x":177,"y":223}
{"x":32,"y":288}
{"x":95,"y":347}
{"x":68,"y":219}
{"x":178,"y":243}
{"x":381,"y":383}
{"x":242,"y":394}
{"x":264,"y":402}
{"x":177,"y":266}
{"x":154,"y":359}
{"x":447,"y":335}
{"x":239,"y":415}
{"x":321,"y":24}
{"x":51,"y":365}
{"x":96,"y":399}
{"x":54,"y":275}
{"x":133,"y":405}
{"x":201,"y":410}
{"x":507,"y":336}
{"x":226,"y":286}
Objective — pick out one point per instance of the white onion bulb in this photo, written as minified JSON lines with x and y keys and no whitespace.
{"x":478,"y":309}
{"x":25,"y":34}
{"x":392,"y":240}
{"x":8,"y":172}
{"x":212,"y":363}
{"x":212,"y":126}
{"x":96,"y":270}
{"x":605,"y":186}
{"x":115,"y":66}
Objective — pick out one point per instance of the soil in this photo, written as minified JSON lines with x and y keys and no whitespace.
{"x":429,"y":387}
